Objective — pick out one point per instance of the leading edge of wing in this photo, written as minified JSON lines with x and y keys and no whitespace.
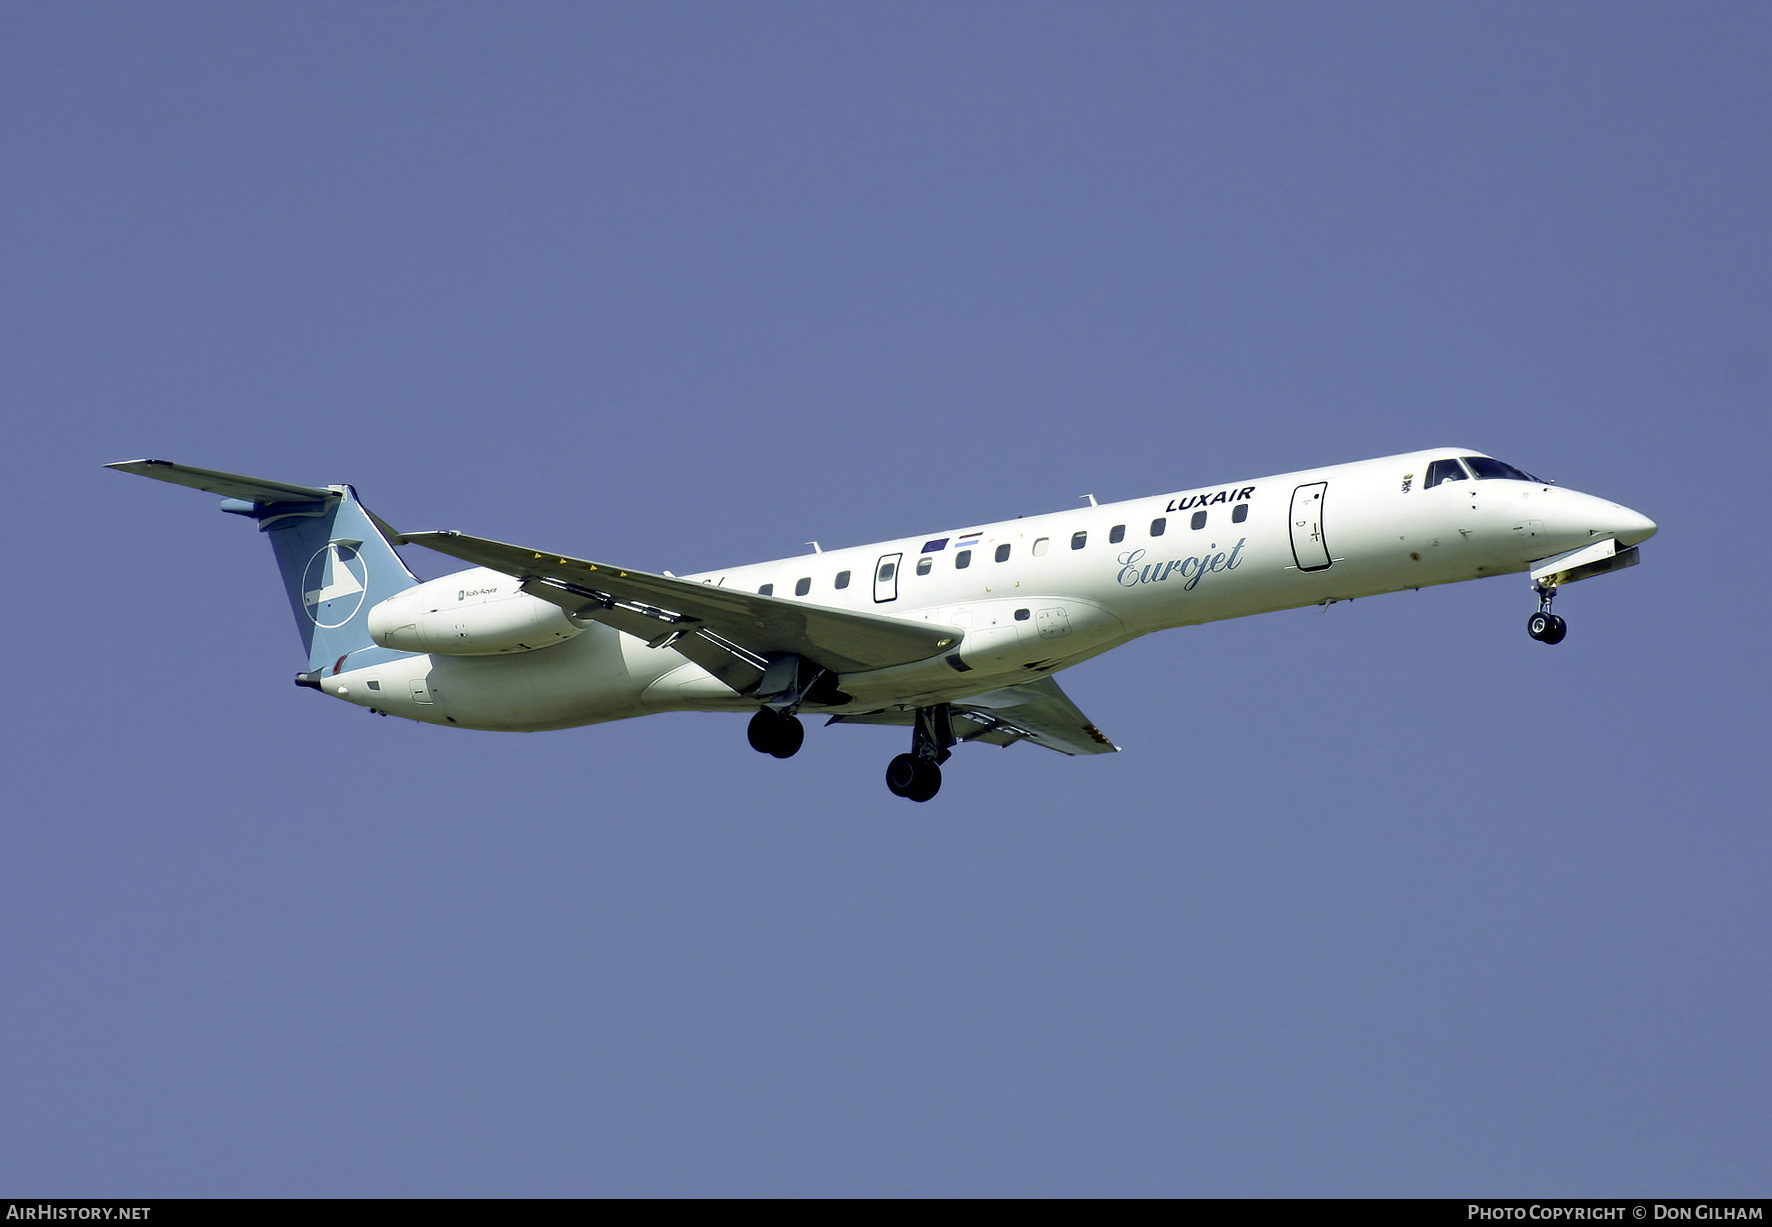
{"x":767,"y":626}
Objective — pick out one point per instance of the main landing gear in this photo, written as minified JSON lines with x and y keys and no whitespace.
{"x":776,"y":732}
{"x":788,"y":682}
{"x":1544,"y":625}
{"x":917,"y":775}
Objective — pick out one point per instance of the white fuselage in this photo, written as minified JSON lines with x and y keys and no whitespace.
{"x":1036,"y":595}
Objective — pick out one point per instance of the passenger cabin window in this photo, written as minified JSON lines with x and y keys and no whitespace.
{"x":766,"y":590}
{"x":1002,"y":553}
{"x":887,"y":570}
{"x":1239,"y":513}
{"x":1158,"y":525}
{"x":923,"y":565}
{"x":1041,"y":546}
{"x":1021,"y":615}
{"x":1079,"y":540}
{"x":842,"y":579}
{"x":1485,"y":469}
{"x":1199,"y":521}
{"x":1116,"y":534}
{"x":802,"y":586}
{"x":1442,"y":471}
{"x":962,"y":560}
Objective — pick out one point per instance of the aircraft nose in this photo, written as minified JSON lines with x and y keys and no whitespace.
{"x":1631,"y":527}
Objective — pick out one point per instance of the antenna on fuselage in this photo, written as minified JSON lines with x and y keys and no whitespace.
{"x":1091,"y":499}
{"x":816,"y":547}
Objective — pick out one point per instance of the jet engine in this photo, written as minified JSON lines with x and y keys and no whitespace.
{"x":476,"y":613}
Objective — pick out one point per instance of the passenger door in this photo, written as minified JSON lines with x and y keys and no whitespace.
{"x":1309,"y":550}
{"x":886,"y":578}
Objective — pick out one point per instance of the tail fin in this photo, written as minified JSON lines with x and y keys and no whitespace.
{"x":337,"y":558}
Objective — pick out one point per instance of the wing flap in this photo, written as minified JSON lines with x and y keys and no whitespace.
{"x":1037,"y":711}
{"x":1044,"y":714}
{"x":967,"y":725}
{"x":738,"y":668}
{"x":678,"y":611}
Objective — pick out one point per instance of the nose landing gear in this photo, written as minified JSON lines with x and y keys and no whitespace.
{"x":917,"y":775}
{"x":1545,"y":626}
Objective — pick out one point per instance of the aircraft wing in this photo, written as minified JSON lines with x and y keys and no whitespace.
{"x":731,"y":633}
{"x":1036,"y":711}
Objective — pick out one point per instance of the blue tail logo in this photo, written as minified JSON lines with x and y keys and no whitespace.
{"x":334,"y":584}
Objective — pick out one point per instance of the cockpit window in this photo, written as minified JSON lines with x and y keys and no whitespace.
{"x":1441,"y":471}
{"x":1486,"y":469}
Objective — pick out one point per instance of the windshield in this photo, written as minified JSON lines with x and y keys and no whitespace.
{"x":1442,"y":471}
{"x":1485,"y":469}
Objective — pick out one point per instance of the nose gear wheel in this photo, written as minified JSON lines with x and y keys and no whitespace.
{"x":1545,"y":626}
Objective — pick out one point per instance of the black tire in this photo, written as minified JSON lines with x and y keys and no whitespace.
{"x":901,"y":775}
{"x":1558,"y":629}
{"x":1539,"y":625}
{"x":928,"y":782}
{"x":790,"y":734}
{"x":762,"y":732}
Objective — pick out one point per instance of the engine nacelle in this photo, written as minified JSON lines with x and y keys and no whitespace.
{"x":1029,"y":629}
{"x":475,"y":613}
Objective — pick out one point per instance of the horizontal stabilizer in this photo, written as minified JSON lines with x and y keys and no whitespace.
{"x":228,"y":485}
{"x":338,"y":561}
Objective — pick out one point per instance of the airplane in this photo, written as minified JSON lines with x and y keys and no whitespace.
{"x":953,"y":633}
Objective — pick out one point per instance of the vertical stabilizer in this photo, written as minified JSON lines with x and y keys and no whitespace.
{"x":336,"y":567}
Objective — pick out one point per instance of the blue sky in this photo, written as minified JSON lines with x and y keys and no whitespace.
{"x":1379,"y":899}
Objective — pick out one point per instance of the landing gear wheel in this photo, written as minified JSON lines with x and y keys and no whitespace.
{"x":1546,"y":627}
{"x":901,"y":774}
{"x":928,"y":782}
{"x":917,"y":775}
{"x":774,"y":733}
{"x":913,"y":777}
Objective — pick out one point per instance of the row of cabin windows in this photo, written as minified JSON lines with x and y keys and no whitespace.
{"x":803,"y":585}
{"x":963,"y":558}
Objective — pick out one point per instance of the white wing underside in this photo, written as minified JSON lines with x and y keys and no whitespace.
{"x":1037,"y":712}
